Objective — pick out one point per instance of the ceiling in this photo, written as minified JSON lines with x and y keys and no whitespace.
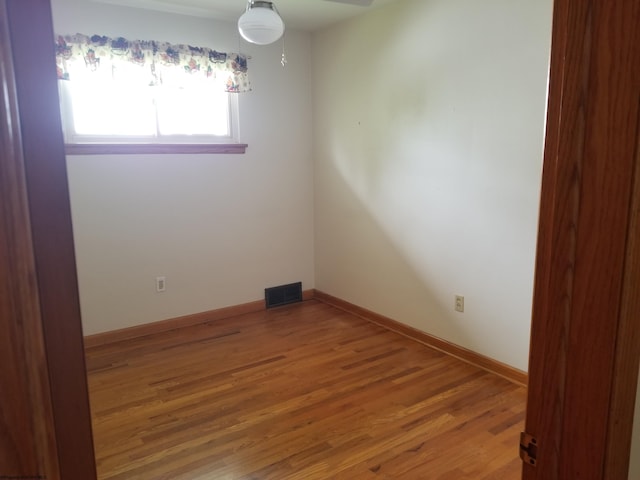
{"x":308,"y":15}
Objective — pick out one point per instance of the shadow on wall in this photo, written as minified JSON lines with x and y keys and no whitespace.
{"x":375,"y":272}
{"x":429,"y":128}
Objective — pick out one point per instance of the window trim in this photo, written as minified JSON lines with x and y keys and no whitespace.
{"x":153,"y":148}
{"x":166,"y":144}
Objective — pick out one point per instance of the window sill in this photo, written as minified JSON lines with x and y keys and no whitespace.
{"x":141,"y":148}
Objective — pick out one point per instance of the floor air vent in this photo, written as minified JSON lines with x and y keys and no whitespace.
{"x":282,"y":295}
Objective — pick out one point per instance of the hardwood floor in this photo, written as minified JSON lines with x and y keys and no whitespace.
{"x":300,"y":392}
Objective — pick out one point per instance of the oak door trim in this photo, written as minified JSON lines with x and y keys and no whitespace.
{"x":585,"y":294}
{"x":31,"y":32}
{"x":27,"y":431}
{"x":627,"y":356}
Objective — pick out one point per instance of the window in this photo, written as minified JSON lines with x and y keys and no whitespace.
{"x":115,"y":92}
{"x":113,"y":112}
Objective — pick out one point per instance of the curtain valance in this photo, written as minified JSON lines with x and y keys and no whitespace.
{"x":151,"y":62}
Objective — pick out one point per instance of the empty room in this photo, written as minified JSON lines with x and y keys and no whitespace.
{"x":305,"y":237}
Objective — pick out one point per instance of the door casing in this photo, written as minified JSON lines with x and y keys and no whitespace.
{"x":583,"y":367}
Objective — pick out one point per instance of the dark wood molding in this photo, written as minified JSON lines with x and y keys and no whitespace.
{"x":153,"y":148}
{"x":583,"y":365}
{"x":512,"y":374}
{"x":27,"y":429}
{"x":627,"y":356}
{"x":143,"y":330}
{"x":31,"y":31}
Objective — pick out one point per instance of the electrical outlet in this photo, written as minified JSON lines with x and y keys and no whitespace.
{"x":459,"y":304}
{"x":161,"y":284}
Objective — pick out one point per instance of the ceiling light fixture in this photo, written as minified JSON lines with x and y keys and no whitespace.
{"x":260,"y":23}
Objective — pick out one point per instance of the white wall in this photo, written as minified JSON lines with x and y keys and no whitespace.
{"x":221,"y":228}
{"x":428,"y":131}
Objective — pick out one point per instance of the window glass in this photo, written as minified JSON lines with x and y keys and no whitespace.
{"x":104,"y":109}
{"x":192,"y":111}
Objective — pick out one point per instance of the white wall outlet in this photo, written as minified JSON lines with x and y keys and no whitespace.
{"x":459,"y":303}
{"x":161,"y":284}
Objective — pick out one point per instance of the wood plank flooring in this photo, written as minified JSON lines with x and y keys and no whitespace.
{"x":299,"y":392}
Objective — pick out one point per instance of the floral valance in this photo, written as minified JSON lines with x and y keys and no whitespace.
{"x":155,"y":63}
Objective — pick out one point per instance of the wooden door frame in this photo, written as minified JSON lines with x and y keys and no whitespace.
{"x":583,"y":367}
{"x":41,"y":322}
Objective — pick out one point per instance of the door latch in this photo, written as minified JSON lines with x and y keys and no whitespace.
{"x":528,"y":449}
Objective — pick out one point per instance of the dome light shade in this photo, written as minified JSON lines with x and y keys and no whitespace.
{"x":260,"y":23}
